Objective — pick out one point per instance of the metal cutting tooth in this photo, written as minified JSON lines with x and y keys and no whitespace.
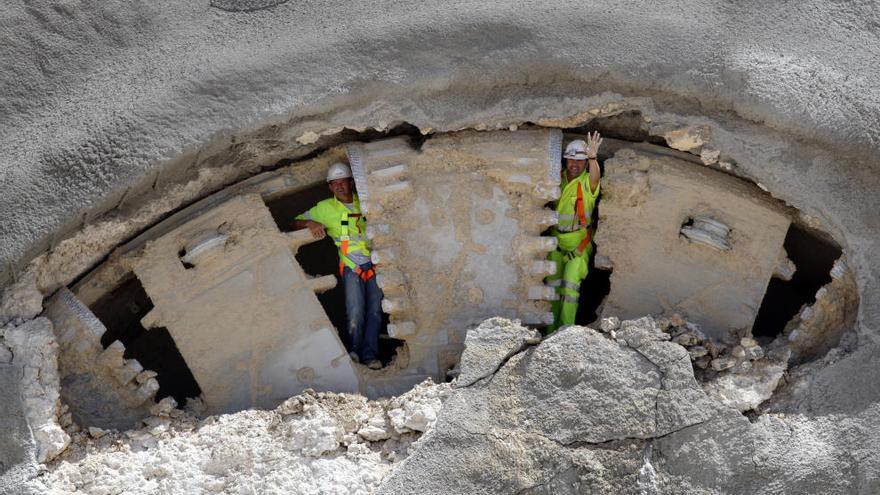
{"x":401,"y":329}
{"x":379,"y":256}
{"x":375,"y":230}
{"x":602,"y":262}
{"x":543,"y":268}
{"x":542,"y":293}
{"x":547,"y":218}
{"x":548,"y":193}
{"x":389,"y":279}
{"x":393,"y":306}
{"x":299,"y":238}
{"x":127,"y":372}
{"x":538,"y":246}
{"x":322,"y":284}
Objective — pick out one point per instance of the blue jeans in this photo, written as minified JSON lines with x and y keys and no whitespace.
{"x":363,"y":308}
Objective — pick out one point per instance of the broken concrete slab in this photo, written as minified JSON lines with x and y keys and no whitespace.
{"x":539,"y":417}
{"x":35,"y":352}
{"x":525,"y":425}
{"x":490,"y":345}
{"x":746,"y":391}
{"x":16,"y":443}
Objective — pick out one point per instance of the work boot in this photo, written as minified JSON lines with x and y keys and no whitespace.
{"x":354,"y":357}
{"x":375,"y":364}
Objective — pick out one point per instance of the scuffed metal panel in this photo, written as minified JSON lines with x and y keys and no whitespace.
{"x":244,"y":316}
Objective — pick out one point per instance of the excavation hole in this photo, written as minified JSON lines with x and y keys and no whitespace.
{"x":350,"y":135}
{"x":813,"y":255}
{"x":121,"y":311}
{"x":320,"y":258}
{"x":627,"y":126}
{"x":594,"y":290}
{"x":388,"y":346}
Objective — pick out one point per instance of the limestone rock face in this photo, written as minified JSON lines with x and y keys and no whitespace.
{"x":35,"y":354}
{"x":22,"y":301}
{"x":584,"y":413}
{"x":746,"y":391}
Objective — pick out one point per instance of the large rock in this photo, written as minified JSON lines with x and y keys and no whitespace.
{"x":539,"y":419}
{"x":582,"y":413}
{"x":16,"y":443}
{"x":35,"y":354}
{"x":745,"y":391}
{"x":489,"y":346}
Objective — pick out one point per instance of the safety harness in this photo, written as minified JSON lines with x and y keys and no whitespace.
{"x":582,"y":219}
{"x":365,"y":275}
{"x":577,"y":221}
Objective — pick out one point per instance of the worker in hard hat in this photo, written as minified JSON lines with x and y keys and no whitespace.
{"x":574,"y":232}
{"x":341,"y":217}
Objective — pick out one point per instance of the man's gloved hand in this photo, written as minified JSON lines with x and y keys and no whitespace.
{"x":593,"y":142}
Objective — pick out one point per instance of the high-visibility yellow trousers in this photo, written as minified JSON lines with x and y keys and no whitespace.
{"x":570,"y":273}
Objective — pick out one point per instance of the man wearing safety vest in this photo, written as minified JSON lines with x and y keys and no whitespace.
{"x":574,"y":232}
{"x":340,"y":216}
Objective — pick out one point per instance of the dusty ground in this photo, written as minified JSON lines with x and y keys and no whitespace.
{"x":312,"y":443}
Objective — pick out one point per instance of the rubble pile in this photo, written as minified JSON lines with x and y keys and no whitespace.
{"x":618,"y":410}
{"x":312,"y":443}
{"x":741,"y":375}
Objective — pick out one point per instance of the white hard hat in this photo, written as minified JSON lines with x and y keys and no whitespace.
{"x":338,"y":170}
{"x":576,"y":150}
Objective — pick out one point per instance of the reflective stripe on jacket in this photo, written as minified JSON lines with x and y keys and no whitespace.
{"x":572,"y":229}
{"x":348,"y":229}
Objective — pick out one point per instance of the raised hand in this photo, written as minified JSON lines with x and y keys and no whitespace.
{"x":593,"y":142}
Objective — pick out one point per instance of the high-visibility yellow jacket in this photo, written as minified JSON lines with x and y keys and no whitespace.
{"x":347,"y":228}
{"x":574,"y":220}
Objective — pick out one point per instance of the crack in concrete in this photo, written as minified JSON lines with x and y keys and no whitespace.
{"x":581,"y":443}
{"x":245,"y":5}
{"x":487,"y":378}
{"x":660,"y":387}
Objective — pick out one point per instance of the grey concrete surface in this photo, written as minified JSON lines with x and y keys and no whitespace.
{"x":575,"y":413}
{"x":110,"y":102}
{"x":98,"y":94}
{"x":16,"y":443}
{"x":244,"y":315}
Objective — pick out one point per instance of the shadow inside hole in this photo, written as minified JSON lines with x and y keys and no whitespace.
{"x":121,"y":311}
{"x":594,"y":289}
{"x":813,"y":256}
